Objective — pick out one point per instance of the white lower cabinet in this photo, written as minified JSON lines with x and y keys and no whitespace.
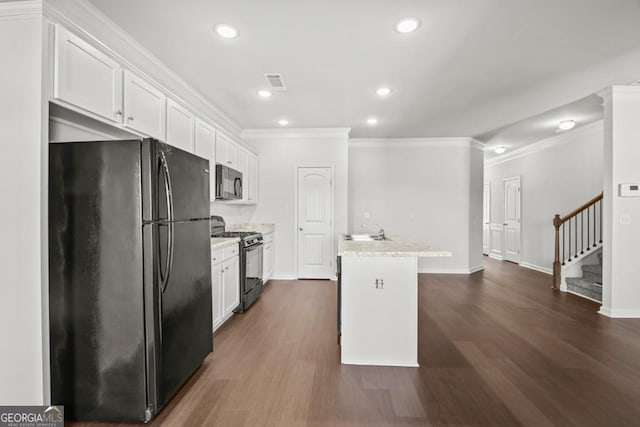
{"x":216,"y":294}
{"x":225,"y":283}
{"x":267,"y":257}
{"x":379,"y":311}
{"x":231,"y":285}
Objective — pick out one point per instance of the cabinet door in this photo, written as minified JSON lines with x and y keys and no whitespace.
{"x":221,"y":149}
{"x":205,"y":147}
{"x":86,"y":77}
{"x":144,"y":106}
{"x":231,"y":285}
{"x":216,"y":294}
{"x":243,"y":167}
{"x":232,"y":154}
{"x":252,"y":179}
{"x":179,"y":126}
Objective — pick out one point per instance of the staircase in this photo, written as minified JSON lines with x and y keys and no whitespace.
{"x":590,"y":284}
{"x":578,"y":250}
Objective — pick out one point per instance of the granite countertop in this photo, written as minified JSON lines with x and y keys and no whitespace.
{"x":394,"y":247}
{"x":258,"y":228}
{"x":221,"y":242}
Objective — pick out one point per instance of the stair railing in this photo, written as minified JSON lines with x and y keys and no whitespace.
{"x":576,"y":236}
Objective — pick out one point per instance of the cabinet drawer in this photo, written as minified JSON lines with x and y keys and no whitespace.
{"x":230,"y":251}
{"x":268,"y":238}
{"x":217,"y":256}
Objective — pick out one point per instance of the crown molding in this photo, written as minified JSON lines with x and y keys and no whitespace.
{"x":215,"y":116}
{"x":296,"y":133}
{"x":547,"y":143}
{"x":20,"y":9}
{"x":416,"y":142}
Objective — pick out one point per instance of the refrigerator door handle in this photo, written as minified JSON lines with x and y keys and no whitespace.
{"x":170,"y":241}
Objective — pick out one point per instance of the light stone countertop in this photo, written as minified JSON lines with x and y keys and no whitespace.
{"x":393,"y":247}
{"x":221,"y":242}
{"x":258,"y":228}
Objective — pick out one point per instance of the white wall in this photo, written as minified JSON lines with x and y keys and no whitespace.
{"x":557,"y":175}
{"x":621,"y":269}
{"x":420,"y":189}
{"x":280,"y":152}
{"x":23,"y":296}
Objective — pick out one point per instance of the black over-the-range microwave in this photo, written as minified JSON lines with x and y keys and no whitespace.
{"x":228,"y":183}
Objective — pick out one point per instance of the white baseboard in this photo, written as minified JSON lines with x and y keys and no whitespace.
{"x":427,"y":270}
{"x":282,"y":277}
{"x":537,"y":268}
{"x":620,"y":313}
{"x":495,"y":256}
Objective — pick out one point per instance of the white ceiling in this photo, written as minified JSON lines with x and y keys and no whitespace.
{"x":473,"y":66}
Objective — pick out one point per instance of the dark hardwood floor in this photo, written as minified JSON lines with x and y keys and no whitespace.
{"x":496,"y":348}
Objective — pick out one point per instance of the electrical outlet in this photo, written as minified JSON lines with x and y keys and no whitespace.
{"x":625,"y":219}
{"x":367,"y":215}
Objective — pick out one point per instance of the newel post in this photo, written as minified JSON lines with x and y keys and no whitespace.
{"x":557,"y":222}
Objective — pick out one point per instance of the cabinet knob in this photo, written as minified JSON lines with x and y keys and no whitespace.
{"x":130,"y":118}
{"x":229,"y":161}
{"x":119,"y":113}
{"x":226,"y":268}
{"x":377,"y":283}
{"x":300,"y":228}
{"x":214,"y":258}
{"x":381,"y":283}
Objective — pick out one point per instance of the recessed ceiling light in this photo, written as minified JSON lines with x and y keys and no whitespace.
{"x":566,"y":124}
{"x":383,"y":91}
{"x":407,"y":25}
{"x":227,"y":31}
{"x":500,"y":150}
{"x":372,"y":121}
{"x":264,"y":93}
{"x":283,"y":122}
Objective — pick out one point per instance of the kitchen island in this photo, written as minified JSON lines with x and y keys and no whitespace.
{"x":378,"y":300}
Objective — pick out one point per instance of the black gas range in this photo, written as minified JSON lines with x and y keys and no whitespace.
{"x":250,"y":261}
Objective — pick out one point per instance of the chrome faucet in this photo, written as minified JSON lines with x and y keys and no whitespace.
{"x":380,"y":231}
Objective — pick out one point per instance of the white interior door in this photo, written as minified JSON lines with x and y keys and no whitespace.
{"x":486,"y":219}
{"x":512,"y":219}
{"x":314,"y":223}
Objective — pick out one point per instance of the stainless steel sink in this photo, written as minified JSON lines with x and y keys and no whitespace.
{"x":364,"y":237}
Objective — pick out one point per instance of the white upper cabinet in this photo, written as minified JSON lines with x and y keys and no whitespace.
{"x":243,"y":166}
{"x":226,"y":151}
{"x":144,"y":106}
{"x":85,"y":77}
{"x":180,"y":126}
{"x":251,"y":181}
{"x":205,"y":147}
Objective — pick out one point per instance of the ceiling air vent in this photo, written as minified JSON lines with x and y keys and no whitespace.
{"x":275,"y":81}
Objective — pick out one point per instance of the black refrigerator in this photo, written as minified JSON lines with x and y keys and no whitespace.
{"x":129,"y":276}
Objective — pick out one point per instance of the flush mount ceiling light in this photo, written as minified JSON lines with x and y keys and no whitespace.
{"x":264,"y":93}
{"x":500,"y":150}
{"x":372,"y":121}
{"x":283,"y":122}
{"x":383,"y":91}
{"x":566,"y":124}
{"x":407,"y":25}
{"x":226,"y":31}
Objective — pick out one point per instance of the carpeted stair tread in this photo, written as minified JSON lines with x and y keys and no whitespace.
{"x":580,"y":282}
{"x":595,"y":268}
{"x":585,"y":292}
